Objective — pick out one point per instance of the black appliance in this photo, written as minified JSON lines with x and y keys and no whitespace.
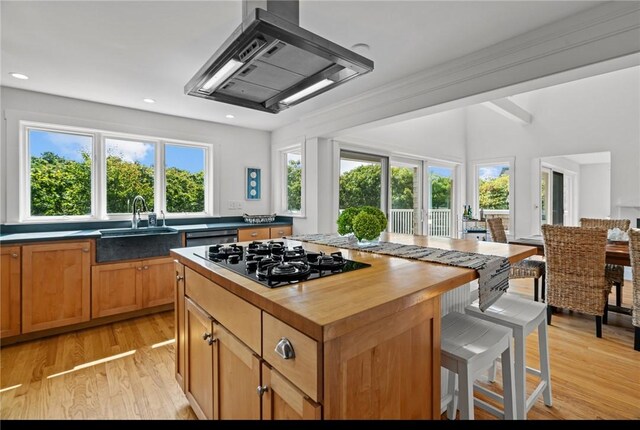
{"x":273,"y":264}
{"x":211,"y":237}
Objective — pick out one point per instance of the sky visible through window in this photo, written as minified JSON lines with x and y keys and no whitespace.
{"x":492,"y":172}
{"x":184,"y":158}
{"x":69,"y":146}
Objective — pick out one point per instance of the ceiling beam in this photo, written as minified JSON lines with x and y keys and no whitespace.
{"x":509,"y":109}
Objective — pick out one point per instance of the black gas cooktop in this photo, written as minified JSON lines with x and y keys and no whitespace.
{"x":273,"y":264}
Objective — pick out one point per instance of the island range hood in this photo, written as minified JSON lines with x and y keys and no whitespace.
{"x":269,"y":63}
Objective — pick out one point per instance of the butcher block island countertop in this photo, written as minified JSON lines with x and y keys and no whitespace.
{"x":377,"y":330}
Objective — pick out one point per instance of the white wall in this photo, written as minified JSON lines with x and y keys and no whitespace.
{"x":595,"y":191}
{"x":236,"y":147}
{"x":590,"y":115}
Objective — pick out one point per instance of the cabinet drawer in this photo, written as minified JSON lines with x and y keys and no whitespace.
{"x":302,"y":369}
{"x":238,"y":316}
{"x":247,"y":234}
{"x":278,"y":232}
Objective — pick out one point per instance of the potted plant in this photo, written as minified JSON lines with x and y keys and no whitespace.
{"x":364,"y":222}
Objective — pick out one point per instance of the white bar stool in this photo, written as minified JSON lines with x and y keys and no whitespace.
{"x":468,"y":347}
{"x":523,"y":317}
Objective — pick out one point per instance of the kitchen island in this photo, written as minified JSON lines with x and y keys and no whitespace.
{"x":362,"y":344}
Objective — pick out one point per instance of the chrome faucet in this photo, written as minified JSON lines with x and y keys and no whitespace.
{"x":134,"y":221}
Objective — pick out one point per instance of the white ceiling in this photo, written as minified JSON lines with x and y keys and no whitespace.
{"x":121,"y":52}
{"x":590,"y":158}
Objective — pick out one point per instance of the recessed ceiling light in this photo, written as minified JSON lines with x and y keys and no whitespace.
{"x":360,"y":47}
{"x":230,"y":116}
{"x":19,"y":75}
{"x":148,"y":100}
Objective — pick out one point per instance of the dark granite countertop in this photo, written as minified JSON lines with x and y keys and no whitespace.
{"x":19,"y":233}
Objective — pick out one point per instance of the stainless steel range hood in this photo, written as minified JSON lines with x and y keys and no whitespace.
{"x":269,"y":63}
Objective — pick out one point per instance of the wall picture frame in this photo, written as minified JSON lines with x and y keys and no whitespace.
{"x":253,"y":183}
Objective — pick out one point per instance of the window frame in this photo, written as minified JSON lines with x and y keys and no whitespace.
{"x":511,"y":162}
{"x":99,"y":173}
{"x":283,"y":205}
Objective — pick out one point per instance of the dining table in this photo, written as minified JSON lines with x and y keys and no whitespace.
{"x":616,"y":253}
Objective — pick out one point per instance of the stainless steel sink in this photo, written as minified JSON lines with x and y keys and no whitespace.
{"x":143,"y":231}
{"x":117,"y":244}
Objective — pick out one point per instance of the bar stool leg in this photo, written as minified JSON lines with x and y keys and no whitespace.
{"x":520,"y":374}
{"x":453,"y":404}
{"x":545,"y":370}
{"x":465,"y":393}
{"x":508,"y":385}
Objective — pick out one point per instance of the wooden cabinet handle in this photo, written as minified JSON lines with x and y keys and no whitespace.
{"x":254,"y":234}
{"x":14,"y":255}
{"x":179,"y":277}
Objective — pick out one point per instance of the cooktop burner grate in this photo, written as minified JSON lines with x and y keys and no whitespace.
{"x":273,"y":264}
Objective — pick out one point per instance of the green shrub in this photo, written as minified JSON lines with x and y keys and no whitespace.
{"x":345,"y":220}
{"x":366,"y":226}
{"x":372,"y":222}
{"x":376,"y":212}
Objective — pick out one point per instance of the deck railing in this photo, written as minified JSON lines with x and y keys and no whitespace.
{"x":439,"y":222}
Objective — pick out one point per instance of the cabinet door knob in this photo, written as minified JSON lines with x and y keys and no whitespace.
{"x":85,"y":249}
{"x":262,"y":389}
{"x":284,"y":349}
{"x":254,"y":234}
{"x":14,"y":255}
{"x":146,"y":267}
{"x":139,"y":269}
{"x":209,"y":338}
{"x":179,"y":277}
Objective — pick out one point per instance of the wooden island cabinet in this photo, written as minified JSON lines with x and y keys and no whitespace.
{"x":366,"y":343}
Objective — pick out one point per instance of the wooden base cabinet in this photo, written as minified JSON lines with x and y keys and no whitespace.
{"x":179,"y":325}
{"x":10,"y":286}
{"x":126,"y":287}
{"x":282,"y":401}
{"x":199,"y":360}
{"x":56,"y":285}
{"x":236,"y":377}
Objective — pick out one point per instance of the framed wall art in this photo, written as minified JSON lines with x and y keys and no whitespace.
{"x":253,"y":184}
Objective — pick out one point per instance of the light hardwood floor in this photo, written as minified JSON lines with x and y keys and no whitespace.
{"x":592,"y":378}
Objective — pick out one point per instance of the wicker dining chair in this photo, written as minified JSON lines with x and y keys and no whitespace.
{"x":634,"y":251}
{"x":575,"y":270}
{"x":613,"y":272}
{"x":527,"y":268}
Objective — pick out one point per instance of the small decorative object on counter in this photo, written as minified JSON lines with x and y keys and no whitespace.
{"x":153,"y":219}
{"x":364,"y":222}
{"x":258,"y":219}
{"x":481,"y":214}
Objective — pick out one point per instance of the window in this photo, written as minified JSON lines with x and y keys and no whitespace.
{"x":361,"y":180}
{"x":130,"y":172}
{"x":185,"y":178}
{"x":290,"y":180}
{"x":293,"y":162}
{"x":60,"y":166}
{"x":494,"y":182}
{"x":74,"y":173}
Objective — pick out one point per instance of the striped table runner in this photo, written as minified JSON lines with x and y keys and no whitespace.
{"x":493,"y":270}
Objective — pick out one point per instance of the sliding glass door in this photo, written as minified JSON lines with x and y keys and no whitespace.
{"x":363,"y":180}
{"x":406,"y":202}
{"x":440,"y":200}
